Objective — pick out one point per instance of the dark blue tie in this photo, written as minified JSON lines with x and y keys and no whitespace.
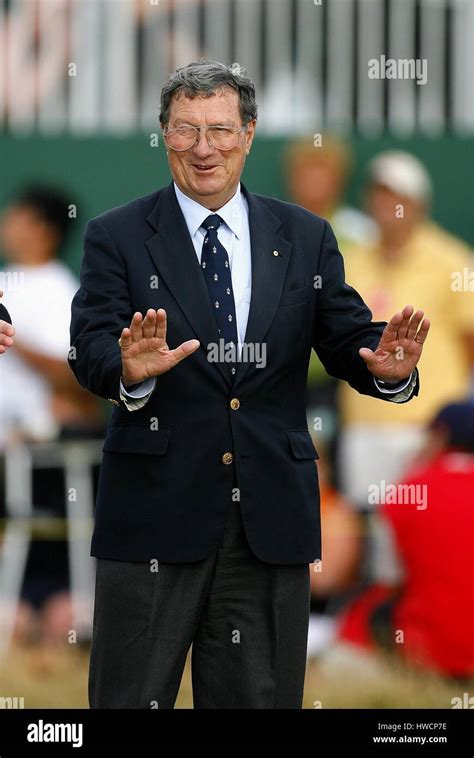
{"x":216,"y":270}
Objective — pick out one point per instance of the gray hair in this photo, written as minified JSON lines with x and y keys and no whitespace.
{"x":204,"y":78}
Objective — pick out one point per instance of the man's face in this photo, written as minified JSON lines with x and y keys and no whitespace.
{"x":316,"y":183}
{"x":25,"y":237}
{"x":391,"y":210}
{"x":206,"y":174}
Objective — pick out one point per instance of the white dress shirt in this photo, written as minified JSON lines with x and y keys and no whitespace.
{"x":234,"y":235}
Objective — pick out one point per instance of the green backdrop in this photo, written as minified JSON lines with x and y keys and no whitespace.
{"x":101,"y":172}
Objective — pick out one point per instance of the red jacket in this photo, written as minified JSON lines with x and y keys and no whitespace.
{"x":436,"y":610}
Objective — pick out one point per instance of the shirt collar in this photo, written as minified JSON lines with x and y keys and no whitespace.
{"x":194,"y":213}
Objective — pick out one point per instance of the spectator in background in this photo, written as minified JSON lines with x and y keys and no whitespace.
{"x":413,"y":260}
{"x":40,"y":394}
{"x":316,"y":177}
{"x":40,"y":398}
{"x":337,"y":573}
{"x":424,"y":613}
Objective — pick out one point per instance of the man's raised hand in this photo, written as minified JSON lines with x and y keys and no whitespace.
{"x":145,"y":352}
{"x":7,"y":332}
{"x":400,"y":346}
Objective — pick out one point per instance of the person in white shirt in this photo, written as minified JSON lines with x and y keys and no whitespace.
{"x":39,"y":394}
{"x":39,"y":397}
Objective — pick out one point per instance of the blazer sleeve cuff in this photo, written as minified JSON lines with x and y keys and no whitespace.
{"x":138,"y":396}
{"x":399,"y":393}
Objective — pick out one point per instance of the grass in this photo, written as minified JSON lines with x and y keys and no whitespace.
{"x":57,"y":678}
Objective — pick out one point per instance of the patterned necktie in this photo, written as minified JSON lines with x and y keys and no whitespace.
{"x":216,"y":270}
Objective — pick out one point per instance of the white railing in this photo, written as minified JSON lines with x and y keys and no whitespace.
{"x":76,"y":459}
{"x":85,"y":66}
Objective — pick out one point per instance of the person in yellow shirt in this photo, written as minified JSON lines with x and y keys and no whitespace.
{"x":413,"y":260}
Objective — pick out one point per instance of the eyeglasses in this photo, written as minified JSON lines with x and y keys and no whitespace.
{"x":184,"y":137}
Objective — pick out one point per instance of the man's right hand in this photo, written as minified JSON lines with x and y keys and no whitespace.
{"x":7,"y":333}
{"x":145,"y":352}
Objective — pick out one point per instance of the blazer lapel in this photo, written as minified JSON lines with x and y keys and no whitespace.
{"x":172,"y":251}
{"x":174,"y":255}
{"x":270,"y":253}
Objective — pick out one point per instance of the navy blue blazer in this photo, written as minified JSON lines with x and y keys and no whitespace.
{"x":164,"y":492}
{"x":4,"y":315}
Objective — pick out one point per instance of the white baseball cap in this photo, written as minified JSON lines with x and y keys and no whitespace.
{"x":402,"y":173}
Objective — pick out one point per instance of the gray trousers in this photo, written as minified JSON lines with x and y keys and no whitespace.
{"x":247,"y":622}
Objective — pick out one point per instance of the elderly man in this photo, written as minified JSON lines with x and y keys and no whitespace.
{"x":6,"y":329}
{"x":198,"y":308}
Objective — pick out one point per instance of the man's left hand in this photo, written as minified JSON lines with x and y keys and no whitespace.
{"x":400,"y":346}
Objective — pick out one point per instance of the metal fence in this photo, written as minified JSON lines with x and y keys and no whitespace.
{"x":76,"y":459}
{"x":84,"y":66}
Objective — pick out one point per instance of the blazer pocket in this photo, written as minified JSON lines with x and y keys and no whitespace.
{"x":137,"y":439}
{"x":295,"y":297}
{"x":302,"y":445}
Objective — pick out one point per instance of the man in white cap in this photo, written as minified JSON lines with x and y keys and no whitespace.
{"x":413,"y":260}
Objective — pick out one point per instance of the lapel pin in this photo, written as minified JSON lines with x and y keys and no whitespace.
{"x":276,"y":253}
